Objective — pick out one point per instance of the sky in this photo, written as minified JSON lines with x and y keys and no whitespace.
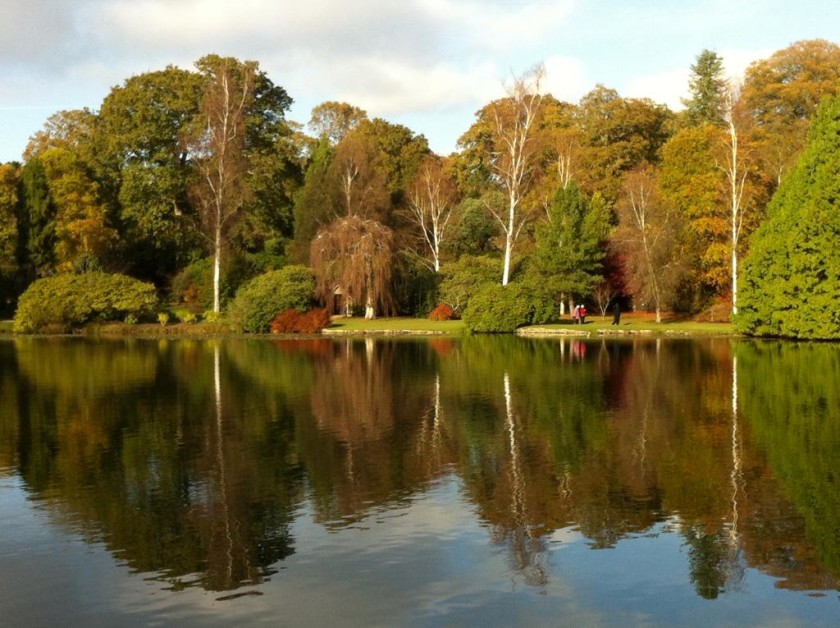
{"x":426,"y":64}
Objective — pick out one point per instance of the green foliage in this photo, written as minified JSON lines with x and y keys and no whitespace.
{"x":261,"y":299}
{"x":570,"y":243}
{"x":499,"y":309}
{"x":475,"y":228}
{"x":67,"y":301}
{"x":464,"y":277}
{"x":791,"y":279}
{"x":708,"y":88}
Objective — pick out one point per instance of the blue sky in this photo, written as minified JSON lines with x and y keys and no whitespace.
{"x":428,"y":64}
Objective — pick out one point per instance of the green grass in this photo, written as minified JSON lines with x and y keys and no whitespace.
{"x":406,"y":324}
{"x":5,"y":327}
{"x":632,"y":322}
{"x":629,"y":323}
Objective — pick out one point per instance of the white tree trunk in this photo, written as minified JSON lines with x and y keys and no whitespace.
{"x":217,"y":267}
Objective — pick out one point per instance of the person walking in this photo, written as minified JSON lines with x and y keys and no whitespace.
{"x":576,"y":315}
{"x":616,"y":313}
{"x":583,"y":314}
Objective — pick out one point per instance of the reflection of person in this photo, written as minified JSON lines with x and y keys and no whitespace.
{"x":582,"y":314}
{"x":576,"y":315}
{"x":616,"y":313}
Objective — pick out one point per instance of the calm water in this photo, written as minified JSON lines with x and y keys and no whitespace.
{"x":475,"y":481}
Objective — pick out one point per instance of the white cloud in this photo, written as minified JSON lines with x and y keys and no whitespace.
{"x":665,"y":87}
{"x":566,"y":78}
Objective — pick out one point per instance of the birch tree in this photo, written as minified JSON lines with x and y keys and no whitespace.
{"x":431,"y":200}
{"x":220,"y":157}
{"x":514,"y":122}
{"x":648,"y":235}
{"x":736,"y":177}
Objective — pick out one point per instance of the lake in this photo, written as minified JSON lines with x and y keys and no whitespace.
{"x":419,"y":482}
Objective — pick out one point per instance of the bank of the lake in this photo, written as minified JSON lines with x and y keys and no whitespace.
{"x":631,"y":325}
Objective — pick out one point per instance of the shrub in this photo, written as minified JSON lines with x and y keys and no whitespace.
{"x":258,"y":301}
{"x":285,"y":322}
{"x":442,"y":312}
{"x":463,"y":278}
{"x":499,"y":309}
{"x":293,"y":322}
{"x":67,"y":301}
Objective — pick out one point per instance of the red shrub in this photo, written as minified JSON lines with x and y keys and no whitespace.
{"x":286,"y":322}
{"x":314,"y":321}
{"x":293,"y":322}
{"x":442,"y":313}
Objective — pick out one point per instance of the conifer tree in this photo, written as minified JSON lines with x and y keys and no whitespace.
{"x":791,"y":278}
{"x":708,"y":90}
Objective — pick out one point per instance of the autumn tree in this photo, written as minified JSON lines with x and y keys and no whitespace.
{"x":353,"y":257}
{"x":431,"y":202}
{"x":83,"y":234}
{"x":692,"y":182}
{"x":781,"y":94}
{"x":648,"y":235}
{"x":73,"y":130}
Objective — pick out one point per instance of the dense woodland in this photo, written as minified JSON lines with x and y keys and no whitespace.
{"x":195,"y":181}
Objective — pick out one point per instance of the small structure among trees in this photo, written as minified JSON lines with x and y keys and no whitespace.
{"x":353,"y":258}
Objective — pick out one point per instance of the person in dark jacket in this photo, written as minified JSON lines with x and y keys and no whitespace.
{"x":616,"y":313}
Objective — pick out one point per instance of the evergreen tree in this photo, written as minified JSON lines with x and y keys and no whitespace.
{"x":570,"y":243}
{"x":791,"y":278}
{"x":708,"y":87}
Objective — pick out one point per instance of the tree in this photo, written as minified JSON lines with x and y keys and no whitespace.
{"x":514,"y":121}
{"x":72,"y":129}
{"x":36,"y":222}
{"x":82,"y":233}
{"x":231,"y":145}
{"x":431,"y":200}
{"x":354,"y":257}
{"x":691,"y":181}
{"x":617,"y":135}
{"x":648,"y":236}
{"x":333,"y":120}
{"x":9,"y":181}
{"x":782,"y":93}
{"x":360,"y":187}
{"x":144,"y":167}
{"x":219,"y":154}
{"x":570,"y":243}
{"x":708,"y":89}
{"x":736,"y":179}
{"x":791,"y":277}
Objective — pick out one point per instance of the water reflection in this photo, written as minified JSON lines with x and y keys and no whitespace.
{"x":191,"y":461}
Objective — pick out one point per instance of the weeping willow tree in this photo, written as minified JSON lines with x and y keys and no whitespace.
{"x":353,"y":258}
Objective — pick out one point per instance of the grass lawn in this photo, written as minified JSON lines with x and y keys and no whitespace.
{"x":636,"y":322}
{"x":5,"y":327}
{"x":630,"y":322}
{"x":406,"y":324}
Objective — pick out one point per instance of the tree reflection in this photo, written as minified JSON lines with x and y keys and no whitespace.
{"x":189,"y":459}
